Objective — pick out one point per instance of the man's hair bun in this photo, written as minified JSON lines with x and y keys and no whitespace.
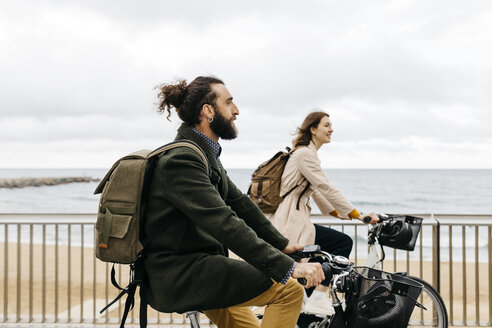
{"x":171,"y":95}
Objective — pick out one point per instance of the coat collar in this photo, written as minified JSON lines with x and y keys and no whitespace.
{"x":312,"y":146}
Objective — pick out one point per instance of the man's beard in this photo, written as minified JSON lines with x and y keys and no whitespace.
{"x":222,"y":127}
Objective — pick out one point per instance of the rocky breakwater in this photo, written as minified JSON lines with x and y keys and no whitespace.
{"x":37,"y":182}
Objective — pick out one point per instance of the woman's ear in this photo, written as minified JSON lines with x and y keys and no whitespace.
{"x":312,"y":130}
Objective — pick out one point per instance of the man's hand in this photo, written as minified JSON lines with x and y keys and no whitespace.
{"x":289,"y":249}
{"x":311,"y":271}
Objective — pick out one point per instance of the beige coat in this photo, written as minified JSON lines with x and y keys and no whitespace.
{"x":296,"y":225}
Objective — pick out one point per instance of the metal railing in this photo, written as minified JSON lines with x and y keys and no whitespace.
{"x":50,"y":274}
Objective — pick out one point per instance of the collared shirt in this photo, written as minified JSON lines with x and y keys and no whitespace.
{"x":216,"y":148}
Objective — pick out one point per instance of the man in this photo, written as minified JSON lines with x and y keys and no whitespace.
{"x":205,"y":215}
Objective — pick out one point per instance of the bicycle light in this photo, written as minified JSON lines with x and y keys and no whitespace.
{"x":341,"y":260}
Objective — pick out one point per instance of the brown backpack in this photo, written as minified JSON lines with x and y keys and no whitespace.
{"x":264,"y":189}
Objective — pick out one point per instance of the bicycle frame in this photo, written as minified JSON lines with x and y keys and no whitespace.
{"x":375,"y":256}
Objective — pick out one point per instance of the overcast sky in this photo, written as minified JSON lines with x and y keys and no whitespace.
{"x":407,"y":84}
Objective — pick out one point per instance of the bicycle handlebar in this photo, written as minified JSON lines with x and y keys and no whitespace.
{"x":382,"y":217}
{"x":330,"y":264}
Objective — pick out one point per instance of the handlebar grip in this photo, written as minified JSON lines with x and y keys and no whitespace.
{"x":366,"y":219}
{"x":297,"y":255}
{"x":302,"y":281}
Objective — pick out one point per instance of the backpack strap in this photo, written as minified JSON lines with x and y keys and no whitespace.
{"x":159,"y":152}
{"x":137,"y":277}
{"x":302,"y":194}
{"x":289,"y":152}
{"x":182,"y":143}
{"x":288,"y":192}
{"x":292,"y":189}
{"x":129,"y":290}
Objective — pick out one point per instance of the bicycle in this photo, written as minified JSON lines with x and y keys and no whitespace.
{"x":394,"y":231}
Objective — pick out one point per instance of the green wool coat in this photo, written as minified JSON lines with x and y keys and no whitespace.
{"x":187,"y":265}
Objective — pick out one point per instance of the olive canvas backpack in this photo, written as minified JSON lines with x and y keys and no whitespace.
{"x":120,"y":218}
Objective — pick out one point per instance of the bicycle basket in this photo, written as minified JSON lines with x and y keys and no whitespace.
{"x":381,"y":299}
{"x":401,"y":232}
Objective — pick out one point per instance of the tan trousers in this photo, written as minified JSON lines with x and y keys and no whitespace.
{"x":283,"y":305}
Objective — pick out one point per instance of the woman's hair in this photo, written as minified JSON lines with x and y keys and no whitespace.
{"x":187,"y":100}
{"x":304,"y":136}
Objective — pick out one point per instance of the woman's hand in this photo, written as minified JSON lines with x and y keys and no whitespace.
{"x":289,"y":249}
{"x":312,"y":271}
{"x":374,"y":218}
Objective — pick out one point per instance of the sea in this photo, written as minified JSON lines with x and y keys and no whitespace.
{"x":403,"y":191}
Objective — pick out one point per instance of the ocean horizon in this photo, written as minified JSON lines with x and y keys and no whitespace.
{"x":443,"y":191}
{"x":402,"y":191}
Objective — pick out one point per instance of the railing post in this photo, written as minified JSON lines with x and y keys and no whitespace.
{"x":463,"y":268}
{"x":490,"y":273}
{"x":451,"y":289}
{"x":56,"y":272}
{"x":477,"y":279}
{"x":43,"y":306}
{"x":19,"y":275}
{"x":31,"y":264}
{"x":69,"y":274}
{"x":436,"y":255}
{"x":6,"y":275}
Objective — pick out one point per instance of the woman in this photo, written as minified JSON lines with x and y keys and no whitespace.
{"x":304,"y":176}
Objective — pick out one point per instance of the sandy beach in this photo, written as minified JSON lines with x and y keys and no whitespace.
{"x":78,"y":268}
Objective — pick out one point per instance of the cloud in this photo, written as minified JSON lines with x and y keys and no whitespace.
{"x":414,"y":73}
